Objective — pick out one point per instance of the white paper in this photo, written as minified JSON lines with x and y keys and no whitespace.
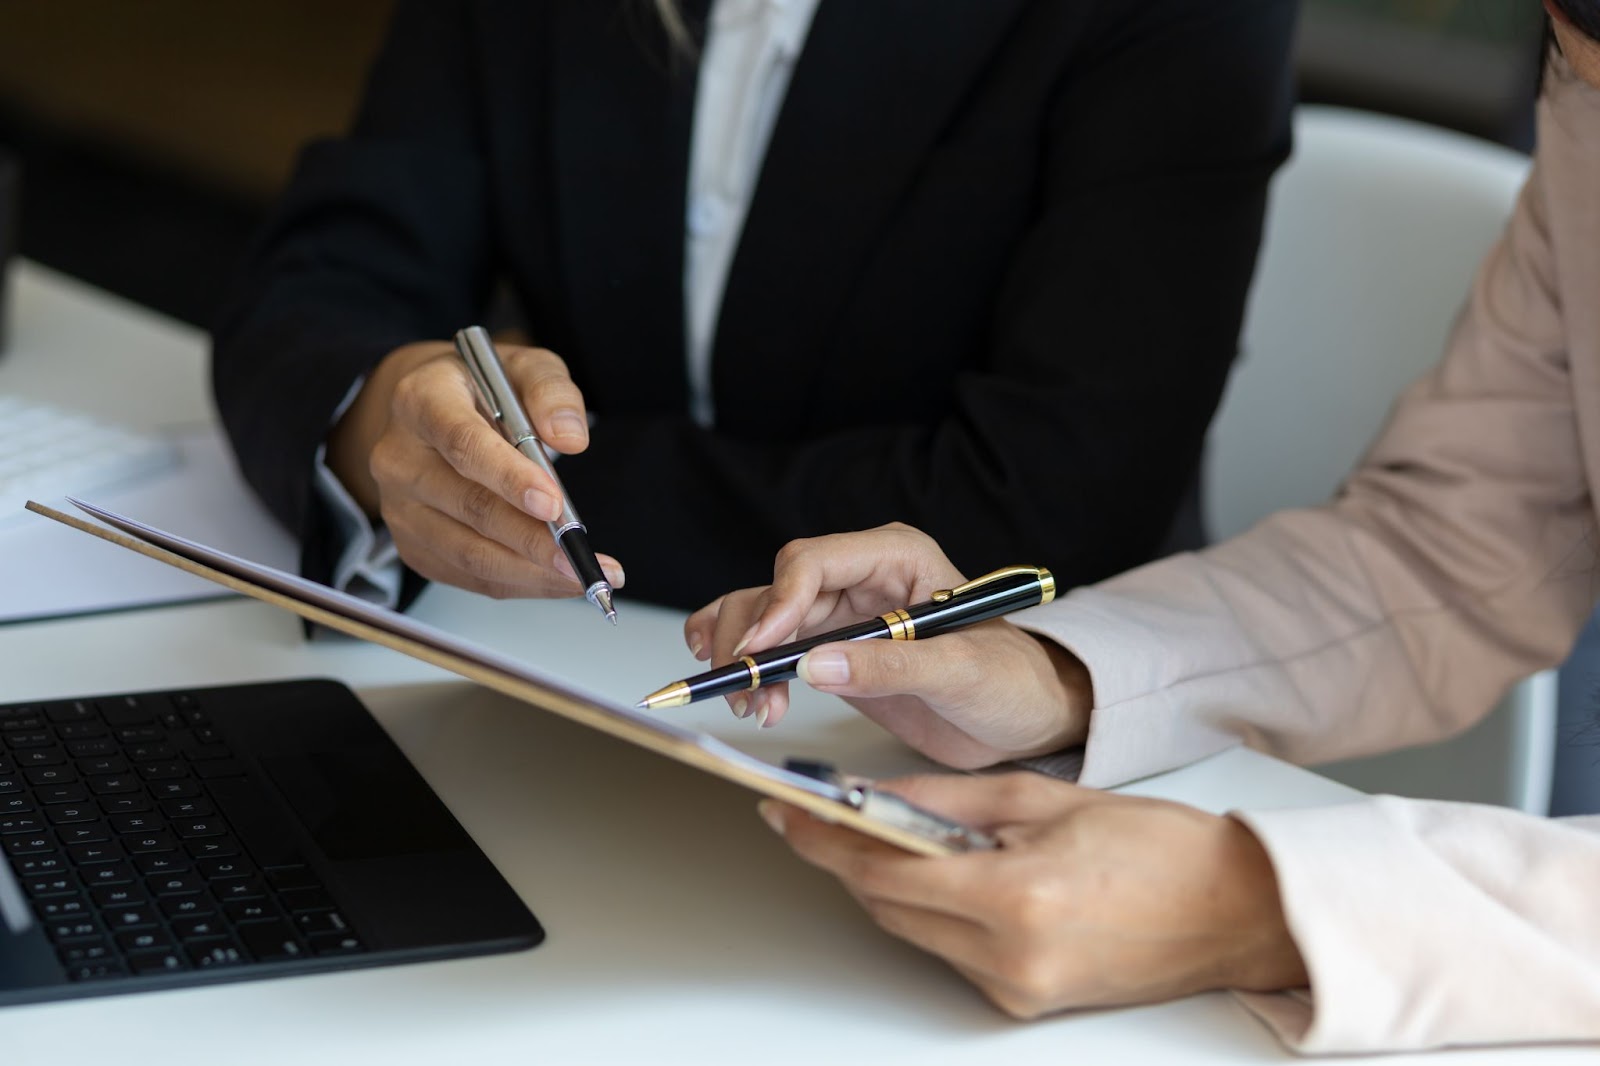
{"x":48,"y":571}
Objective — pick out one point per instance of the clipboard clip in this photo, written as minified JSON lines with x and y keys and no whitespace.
{"x":893,"y":810}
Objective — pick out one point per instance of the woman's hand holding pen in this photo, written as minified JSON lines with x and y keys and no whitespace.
{"x":967,"y":698}
{"x":1093,"y":899}
{"x":462,"y":505}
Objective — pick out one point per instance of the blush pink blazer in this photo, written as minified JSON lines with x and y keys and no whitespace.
{"x":1459,"y":557}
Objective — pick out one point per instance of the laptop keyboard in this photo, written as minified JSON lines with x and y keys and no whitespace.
{"x":144,"y":846}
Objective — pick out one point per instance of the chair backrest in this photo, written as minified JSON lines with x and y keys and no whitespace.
{"x":1375,"y":230}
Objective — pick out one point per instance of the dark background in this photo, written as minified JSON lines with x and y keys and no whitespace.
{"x":153,"y":133}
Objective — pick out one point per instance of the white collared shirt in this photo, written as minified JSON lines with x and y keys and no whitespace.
{"x":750,"y":52}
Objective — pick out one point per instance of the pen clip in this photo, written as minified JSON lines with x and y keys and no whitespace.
{"x":1046,"y":581}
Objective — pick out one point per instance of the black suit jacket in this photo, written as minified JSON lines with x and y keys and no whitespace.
{"x":990,"y":282}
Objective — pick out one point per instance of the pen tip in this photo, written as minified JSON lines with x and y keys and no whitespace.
{"x":601,"y":597}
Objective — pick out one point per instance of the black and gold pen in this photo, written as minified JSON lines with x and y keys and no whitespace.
{"x":1001,"y":592}
{"x":500,"y":401}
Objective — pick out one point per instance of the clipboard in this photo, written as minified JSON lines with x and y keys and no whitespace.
{"x":815,"y":788}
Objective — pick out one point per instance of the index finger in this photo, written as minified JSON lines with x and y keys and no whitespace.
{"x":439,"y":407}
{"x":890,"y":565}
{"x":555,"y":405}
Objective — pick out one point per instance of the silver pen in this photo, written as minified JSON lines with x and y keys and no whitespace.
{"x":499,"y":399}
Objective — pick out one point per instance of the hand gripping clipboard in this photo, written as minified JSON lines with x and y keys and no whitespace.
{"x":812,"y":787}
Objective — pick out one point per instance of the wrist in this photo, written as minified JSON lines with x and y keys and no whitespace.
{"x":1260,"y":955}
{"x":1071,"y":693}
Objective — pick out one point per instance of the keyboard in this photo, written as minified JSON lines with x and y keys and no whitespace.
{"x":47,"y":452}
{"x":178,"y":838}
{"x":143,"y":845}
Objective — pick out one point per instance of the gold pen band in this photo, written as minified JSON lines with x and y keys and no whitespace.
{"x":901,"y":625}
{"x":755,"y":671}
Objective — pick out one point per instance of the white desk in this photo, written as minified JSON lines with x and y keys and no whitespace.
{"x":679,"y":928}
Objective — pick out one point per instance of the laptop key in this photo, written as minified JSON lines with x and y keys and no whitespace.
{"x":77,"y":952}
{"x":39,"y":865}
{"x":98,"y":748}
{"x":62,"y":908}
{"x":145,"y":940}
{"x":62,"y":794}
{"x":9,"y":781}
{"x":249,"y":910}
{"x":144,"y":843}
{"x":90,"y":854}
{"x":197,"y":928}
{"x":187,"y":808}
{"x":222,"y":869}
{"x":16,"y":804}
{"x":115,"y":895}
{"x":125,"y":710}
{"x":123,"y":804}
{"x":215,"y":951}
{"x":56,"y":885}
{"x":130,"y":916}
{"x":212,"y":847}
{"x":270,"y":941}
{"x":174,"y":789}
{"x":44,"y":776}
{"x":69,"y":813}
{"x":73,"y":928}
{"x":84,"y":834}
{"x":243,"y":888}
{"x":80,"y":731}
{"x":335,"y":944}
{"x":28,"y":844}
{"x":22,"y":823}
{"x":192,"y":905}
{"x":96,"y":971}
{"x":161,"y":862}
{"x":159,"y":960}
{"x":110,"y":784}
{"x":176,"y":884}
{"x":162,"y":771}
{"x":116,"y":873}
{"x":316,"y":923}
{"x":142,"y":822}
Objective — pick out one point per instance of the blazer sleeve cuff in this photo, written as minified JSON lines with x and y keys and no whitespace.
{"x":1428,"y":924}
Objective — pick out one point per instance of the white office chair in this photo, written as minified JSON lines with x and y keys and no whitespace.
{"x":1375,"y":230}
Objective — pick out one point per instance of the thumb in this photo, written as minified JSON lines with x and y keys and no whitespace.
{"x":931,"y":670}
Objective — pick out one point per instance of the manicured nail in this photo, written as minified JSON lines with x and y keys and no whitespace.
{"x":695,"y":646}
{"x":824,"y":668}
{"x":738,"y":649}
{"x":568,"y":424}
{"x":541,"y":505}
{"x":761,"y":716}
{"x":740,"y":705}
{"x":771,"y":815}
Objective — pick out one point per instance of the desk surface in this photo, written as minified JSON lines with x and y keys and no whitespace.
{"x":677,"y":930}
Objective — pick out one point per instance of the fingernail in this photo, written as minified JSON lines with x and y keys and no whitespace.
{"x":738,"y":648}
{"x":740,"y":705}
{"x":771,"y":815}
{"x":695,"y":644}
{"x":761,"y":717}
{"x":541,"y":505}
{"x":569,"y":424}
{"x":824,"y":668}
{"x":616,"y":576}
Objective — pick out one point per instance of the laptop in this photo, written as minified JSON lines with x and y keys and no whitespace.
{"x":186,"y":837}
